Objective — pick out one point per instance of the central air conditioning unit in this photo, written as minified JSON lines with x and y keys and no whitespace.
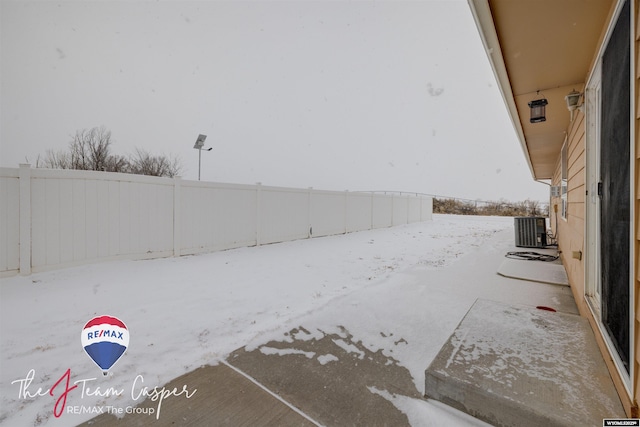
{"x":531,"y":232}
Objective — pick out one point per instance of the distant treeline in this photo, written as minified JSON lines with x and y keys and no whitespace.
{"x":499,"y":208}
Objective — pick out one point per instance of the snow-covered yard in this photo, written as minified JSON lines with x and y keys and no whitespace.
{"x":414,"y":282}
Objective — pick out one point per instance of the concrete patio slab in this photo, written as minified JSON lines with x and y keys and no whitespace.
{"x":513,"y":365}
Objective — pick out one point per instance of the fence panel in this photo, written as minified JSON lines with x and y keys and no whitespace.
{"x":38,"y":222}
{"x":400,"y":210}
{"x":235,"y":217}
{"x":284,"y":214}
{"x":328,"y":213}
{"x":414,"y":206}
{"x":80,"y":216}
{"x":382,"y":211}
{"x":359,"y":212}
{"x":196,"y":207}
{"x":427,"y":208}
{"x":217,"y":216}
{"x":9,"y":221}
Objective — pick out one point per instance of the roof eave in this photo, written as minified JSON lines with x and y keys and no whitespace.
{"x":484,"y":21}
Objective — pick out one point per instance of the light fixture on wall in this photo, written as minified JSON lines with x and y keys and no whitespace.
{"x":573,"y":101}
{"x":538,"y":107}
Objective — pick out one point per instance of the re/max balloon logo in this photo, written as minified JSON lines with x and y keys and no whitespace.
{"x":105,"y":339}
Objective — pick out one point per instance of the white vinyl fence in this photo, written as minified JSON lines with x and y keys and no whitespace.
{"x":58,"y":218}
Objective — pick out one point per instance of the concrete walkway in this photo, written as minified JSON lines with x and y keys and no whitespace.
{"x":224,"y":397}
{"x":337,"y":391}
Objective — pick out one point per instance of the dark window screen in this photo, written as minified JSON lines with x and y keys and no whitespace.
{"x":615,"y":178}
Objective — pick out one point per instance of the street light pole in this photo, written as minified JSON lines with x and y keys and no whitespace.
{"x":199,"y":161}
{"x":198,"y":146}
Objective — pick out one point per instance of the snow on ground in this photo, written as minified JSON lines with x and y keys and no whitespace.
{"x":194,"y":310}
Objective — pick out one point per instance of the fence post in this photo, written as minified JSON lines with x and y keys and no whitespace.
{"x":177,"y":215}
{"x":346,"y":212}
{"x":258,"y":212}
{"x":24,"y":175}
{"x":310,"y":226}
{"x":393,"y":205}
{"x":372,"y":222}
{"x":408,"y":210}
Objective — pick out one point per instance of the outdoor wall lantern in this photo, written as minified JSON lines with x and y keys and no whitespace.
{"x":573,"y":101}
{"x":573,"y":98}
{"x":199,"y":146}
{"x":537,"y":107}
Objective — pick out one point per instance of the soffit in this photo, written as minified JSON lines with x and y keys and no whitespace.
{"x":546,"y":46}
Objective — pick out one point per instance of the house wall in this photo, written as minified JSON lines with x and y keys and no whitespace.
{"x":499,"y":31}
{"x":570,"y":231}
{"x":571,"y":243}
{"x":571,"y":237}
{"x":636,"y":225}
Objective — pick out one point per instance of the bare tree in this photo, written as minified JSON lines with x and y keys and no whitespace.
{"x":533,"y":207}
{"x":55,"y":160}
{"x":90,"y":149}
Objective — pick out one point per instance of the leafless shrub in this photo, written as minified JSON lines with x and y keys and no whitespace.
{"x":143,"y":163}
{"x":116,"y":163}
{"x":490,"y":208}
{"x":55,"y":160}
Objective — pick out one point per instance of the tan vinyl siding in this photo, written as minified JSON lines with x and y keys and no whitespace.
{"x":636,"y":223}
{"x":556,"y":202}
{"x":571,"y":231}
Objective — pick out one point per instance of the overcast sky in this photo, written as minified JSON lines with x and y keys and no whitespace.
{"x":341,"y":95}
